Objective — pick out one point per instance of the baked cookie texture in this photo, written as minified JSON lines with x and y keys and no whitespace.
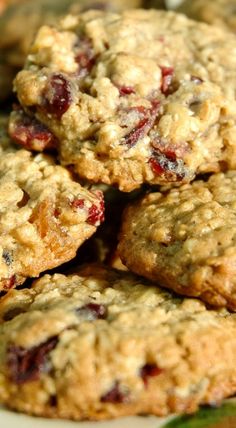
{"x":101,"y":344}
{"x":44,"y":214}
{"x":126,"y":106}
{"x":16,"y":37}
{"x":184,"y":239}
{"x":218,"y":12}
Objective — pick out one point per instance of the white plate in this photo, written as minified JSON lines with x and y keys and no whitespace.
{"x":15,"y":420}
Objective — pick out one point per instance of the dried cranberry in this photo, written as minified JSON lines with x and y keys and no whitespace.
{"x":126,"y":90}
{"x":167,"y":76}
{"x":149,"y":370}
{"x":26,"y":364}
{"x":96,"y":212}
{"x":144,"y":125}
{"x":115,"y":395}
{"x":57,"y":95}
{"x":137,"y":133}
{"x":92,"y":311}
{"x":166,"y":163}
{"x":77,"y":203}
{"x":85,"y":57}
{"x":30,"y":133}
{"x":95,"y":215}
{"x":9,"y":283}
{"x":57,"y":212}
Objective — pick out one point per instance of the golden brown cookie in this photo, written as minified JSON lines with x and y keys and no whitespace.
{"x":45,"y":215}
{"x":126,"y":106}
{"x":185,"y":239}
{"x":102,"y":344}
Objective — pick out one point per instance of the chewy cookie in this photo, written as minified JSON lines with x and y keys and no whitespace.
{"x":102,"y":344}
{"x":185,"y":239}
{"x":44,"y":214}
{"x":16,"y":37}
{"x":218,"y":12}
{"x":125,"y":104}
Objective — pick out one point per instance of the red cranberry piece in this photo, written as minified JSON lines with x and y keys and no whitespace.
{"x":144,"y":125}
{"x":196,"y":80}
{"x":30,"y":133}
{"x":149,"y":370}
{"x":9,"y":282}
{"x":95,"y":216}
{"x":167,"y":76}
{"x":96,"y":212}
{"x":100,"y":311}
{"x":166,"y":163}
{"x":26,"y":364}
{"x":85,"y":57}
{"x":115,"y":395}
{"x":156,"y":167}
{"x":126,"y":90}
{"x":137,"y":133}
{"x":57,"y":212}
{"x":92,"y":311}
{"x":86,"y":63}
{"x":77,"y":203}
{"x":57,"y":95}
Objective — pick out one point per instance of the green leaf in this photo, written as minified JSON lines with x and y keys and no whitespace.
{"x":204,"y":418}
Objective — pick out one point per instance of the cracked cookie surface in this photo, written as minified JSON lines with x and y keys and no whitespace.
{"x":185,"y":239}
{"x":125,"y":104}
{"x":44,"y":214}
{"x":101,"y":344}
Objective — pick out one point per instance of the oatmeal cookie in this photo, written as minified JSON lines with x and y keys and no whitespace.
{"x":125,"y":104}
{"x":16,"y":37}
{"x":218,"y":12}
{"x":185,"y":239}
{"x":102,"y":344}
{"x":44,"y":214}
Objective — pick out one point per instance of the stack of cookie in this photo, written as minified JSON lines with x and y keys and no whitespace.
{"x":132,"y":114}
